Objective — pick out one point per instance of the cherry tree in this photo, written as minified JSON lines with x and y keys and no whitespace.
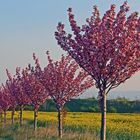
{"x":16,"y":89}
{"x":107,"y":48}
{"x":35,"y":90}
{"x":5,"y":102}
{"x":63,"y":80}
{"x":12,"y":99}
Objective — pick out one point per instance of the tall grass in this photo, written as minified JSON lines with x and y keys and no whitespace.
{"x":45,"y":131}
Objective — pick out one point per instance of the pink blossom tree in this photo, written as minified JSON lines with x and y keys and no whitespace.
{"x":107,"y":48}
{"x":12,"y":99}
{"x":63,"y":80}
{"x":5,"y":102}
{"x":35,"y":90}
{"x":16,"y":89}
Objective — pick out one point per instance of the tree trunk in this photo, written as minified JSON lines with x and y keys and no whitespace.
{"x":103,"y":118}
{"x":4,"y":116}
{"x":60,"y":123}
{"x":0,"y":116}
{"x":12,"y":115}
{"x":21,"y":114}
{"x":35,"y":119}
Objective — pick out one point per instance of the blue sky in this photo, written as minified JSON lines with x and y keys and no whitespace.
{"x":28,"y":26}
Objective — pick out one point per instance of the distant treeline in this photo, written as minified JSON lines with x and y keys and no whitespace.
{"x":119,"y":105}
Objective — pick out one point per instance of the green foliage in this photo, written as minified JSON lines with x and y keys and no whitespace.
{"x":120,"y":105}
{"x":123,"y":105}
{"x":27,"y":107}
{"x":112,"y":109}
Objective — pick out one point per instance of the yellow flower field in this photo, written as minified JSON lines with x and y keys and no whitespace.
{"x":119,"y":126}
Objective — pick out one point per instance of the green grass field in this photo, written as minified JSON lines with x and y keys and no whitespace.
{"x":77,"y":126}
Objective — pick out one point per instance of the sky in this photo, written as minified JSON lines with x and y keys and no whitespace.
{"x":28,"y":26}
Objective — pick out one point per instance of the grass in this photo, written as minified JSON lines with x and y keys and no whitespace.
{"x":77,"y":126}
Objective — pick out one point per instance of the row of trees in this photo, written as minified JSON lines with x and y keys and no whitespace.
{"x":60,"y":80}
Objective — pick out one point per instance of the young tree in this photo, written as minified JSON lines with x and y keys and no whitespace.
{"x":12,"y":99}
{"x":35,"y":90}
{"x":63,"y":80}
{"x":15,"y":86}
{"x":107,"y":48}
{"x":5,"y":102}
